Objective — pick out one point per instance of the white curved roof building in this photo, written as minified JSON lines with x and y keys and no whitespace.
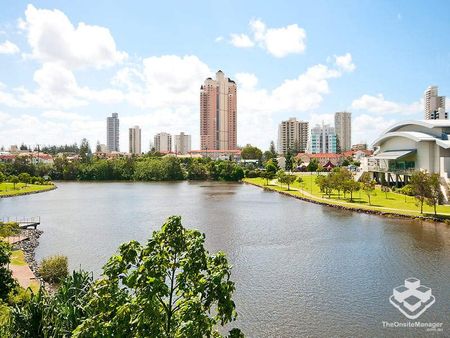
{"x":412,"y":145}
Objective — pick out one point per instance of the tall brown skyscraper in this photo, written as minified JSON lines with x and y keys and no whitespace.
{"x":218,"y":113}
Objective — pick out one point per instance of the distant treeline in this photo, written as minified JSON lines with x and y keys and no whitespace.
{"x":145,"y":168}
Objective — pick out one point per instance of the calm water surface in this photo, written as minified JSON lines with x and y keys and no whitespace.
{"x":300,"y":269}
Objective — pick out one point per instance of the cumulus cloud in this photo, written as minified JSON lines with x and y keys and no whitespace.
{"x":278,"y":42}
{"x":260,"y":107}
{"x":8,"y":47}
{"x":378,"y":104}
{"x":241,"y":41}
{"x":57,"y":88}
{"x":60,"y":131}
{"x":62,"y":115}
{"x":53,"y":38}
{"x":366,"y":128}
{"x":345,"y":62}
{"x":163,"y":81}
{"x":246,"y":80}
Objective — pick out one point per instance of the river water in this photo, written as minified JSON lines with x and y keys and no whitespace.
{"x":300,"y":269}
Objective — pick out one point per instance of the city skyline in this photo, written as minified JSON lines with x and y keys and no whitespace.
{"x":284,"y":64}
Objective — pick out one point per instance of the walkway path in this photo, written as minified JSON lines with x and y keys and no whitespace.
{"x":24,"y":275}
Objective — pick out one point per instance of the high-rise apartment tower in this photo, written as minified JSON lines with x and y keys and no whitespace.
{"x":112,"y":132}
{"x":292,"y":135}
{"x":134,"y":136}
{"x":218,"y":113}
{"x":434,"y":105}
{"x":343,"y":126}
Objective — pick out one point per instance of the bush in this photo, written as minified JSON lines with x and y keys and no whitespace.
{"x":251,"y":173}
{"x":54,"y":269}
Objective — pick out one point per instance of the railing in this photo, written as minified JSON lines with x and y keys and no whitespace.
{"x":21,"y":220}
{"x":383,"y":169}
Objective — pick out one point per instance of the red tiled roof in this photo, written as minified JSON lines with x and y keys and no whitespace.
{"x":321,"y":155}
{"x":7,"y":156}
{"x":234,"y":151}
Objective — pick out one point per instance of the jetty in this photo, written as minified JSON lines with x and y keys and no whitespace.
{"x":24,"y":222}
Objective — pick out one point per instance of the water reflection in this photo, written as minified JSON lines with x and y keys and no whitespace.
{"x":300,"y":269}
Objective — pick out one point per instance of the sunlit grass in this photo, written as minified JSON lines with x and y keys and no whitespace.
{"x":7,"y":189}
{"x":386,"y":202}
{"x":18,"y":258}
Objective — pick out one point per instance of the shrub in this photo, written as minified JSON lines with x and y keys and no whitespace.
{"x":54,"y":269}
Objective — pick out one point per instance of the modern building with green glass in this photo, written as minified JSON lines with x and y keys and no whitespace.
{"x":323,"y":139}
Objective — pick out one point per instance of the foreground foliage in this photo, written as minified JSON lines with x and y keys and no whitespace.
{"x":169,"y":287}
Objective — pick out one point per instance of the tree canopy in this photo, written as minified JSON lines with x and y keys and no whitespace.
{"x":170,"y":286}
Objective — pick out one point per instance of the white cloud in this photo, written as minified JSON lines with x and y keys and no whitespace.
{"x":345,"y":62}
{"x":241,"y":41}
{"x":164,"y":81}
{"x":53,"y":38}
{"x":246,"y":80}
{"x":366,"y":128}
{"x":36,"y":130}
{"x":218,"y":39}
{"x":57,"y":88}
{"x":62,"y":115}
{"x":8,"y":47}
{"x":378,"y":104}
{"x":260,"y":108}
{"x":278,"y":42}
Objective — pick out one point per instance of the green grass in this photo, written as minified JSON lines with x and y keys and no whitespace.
{"x":18,"y":258}
{"x":7,"y":189}
{"x":390,"y":203}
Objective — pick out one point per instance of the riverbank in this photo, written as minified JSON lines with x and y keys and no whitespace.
{"x":23,"y":263}
{"x":309,"y":191}
{"x":7,"y":189}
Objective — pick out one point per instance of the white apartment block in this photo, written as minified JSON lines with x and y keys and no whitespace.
{"x":343,"y":128}
{"x":163,"y":142}
{"x":434,"y":105}
{"x":182,"y":143}
{"x":134,"y":137}
{"x":112,"y":132}
{"x":292,"y":135}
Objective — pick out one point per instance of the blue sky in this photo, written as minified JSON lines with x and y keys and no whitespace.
{"x":65,"y":66}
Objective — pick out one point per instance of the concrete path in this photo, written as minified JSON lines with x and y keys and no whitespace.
{"x":15,"y":239}
{"x":24,"y":275}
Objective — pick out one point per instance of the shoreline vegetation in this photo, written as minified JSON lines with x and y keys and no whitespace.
{"x":131,"y":295}
{"x":390,"y":204}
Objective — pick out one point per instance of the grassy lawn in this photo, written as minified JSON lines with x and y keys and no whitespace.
{"x":18,"y":258}
{"x":8,"y":188}
{"x":390,"y":202}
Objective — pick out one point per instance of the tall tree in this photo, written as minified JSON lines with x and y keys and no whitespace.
{"x":85,"y":150}
{"x":250,"y":152}
{"x":289,"y":160}
{"x":421,"y":187}
{"x":435,"y":194}
{"x":272,"y":149}
{"x":169,"y":287}
{"x":368,"y":186}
